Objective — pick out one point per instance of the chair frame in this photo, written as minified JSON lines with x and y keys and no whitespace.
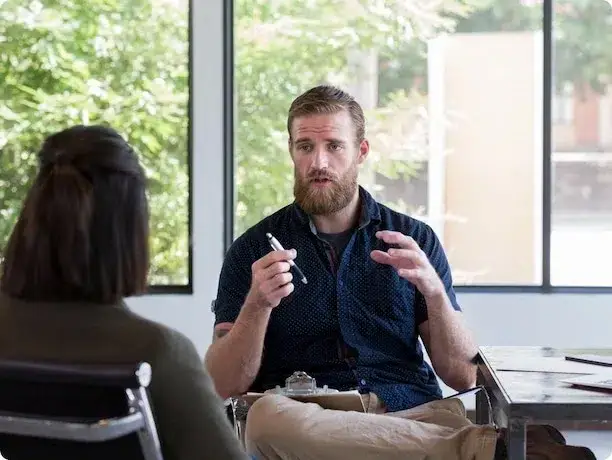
{"x":138,"y":420}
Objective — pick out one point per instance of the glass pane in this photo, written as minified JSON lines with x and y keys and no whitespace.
{"x":90,"y":62}
{"x":581,"y":239}
{"x":452,"y":92}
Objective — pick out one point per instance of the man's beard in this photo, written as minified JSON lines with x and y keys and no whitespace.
{"x":325,"y":200}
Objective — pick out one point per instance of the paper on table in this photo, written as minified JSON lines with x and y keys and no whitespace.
{"x":555,"y":365}
{"x":343,"y":400}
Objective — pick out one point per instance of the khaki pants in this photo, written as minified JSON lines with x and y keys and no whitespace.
{"x":279,"y":428}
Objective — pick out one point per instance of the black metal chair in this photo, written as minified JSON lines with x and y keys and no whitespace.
{"x":57,"y":411}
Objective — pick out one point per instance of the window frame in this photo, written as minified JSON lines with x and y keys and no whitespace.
{"x":545,"y":286}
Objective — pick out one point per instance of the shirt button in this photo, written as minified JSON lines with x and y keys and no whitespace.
{"x":363,"y":382}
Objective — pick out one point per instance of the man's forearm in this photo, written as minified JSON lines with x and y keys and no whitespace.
{"x":233,"y":360}
{"x":451,"y":344}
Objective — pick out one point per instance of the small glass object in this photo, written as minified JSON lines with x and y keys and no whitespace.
{"x":300,"y":383}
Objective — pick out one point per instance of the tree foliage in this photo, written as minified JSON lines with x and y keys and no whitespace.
{"x":582,"y":33}
{"x":113,"y":62}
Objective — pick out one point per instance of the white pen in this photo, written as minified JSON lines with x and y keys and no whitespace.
{"x":278,"y":247}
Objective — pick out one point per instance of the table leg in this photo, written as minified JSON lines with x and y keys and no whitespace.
{"x":483,"y":417}
{"x":516,"y":438}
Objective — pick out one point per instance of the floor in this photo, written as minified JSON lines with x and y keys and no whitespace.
{"x":600,"y":442}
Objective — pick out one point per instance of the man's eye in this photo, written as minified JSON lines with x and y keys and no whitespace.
{"x":335,"y":147}
{"x":304,"y":147}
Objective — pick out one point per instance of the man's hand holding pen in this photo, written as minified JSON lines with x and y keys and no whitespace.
{"x":271,"y":279}
{"x":279,"y":247}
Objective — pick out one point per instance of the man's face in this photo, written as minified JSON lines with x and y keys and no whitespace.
{"x":326,"y":156}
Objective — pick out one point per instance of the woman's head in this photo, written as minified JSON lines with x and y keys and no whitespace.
{"x":82,"y":234}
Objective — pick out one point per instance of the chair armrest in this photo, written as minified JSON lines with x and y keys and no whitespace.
{"x":117,"y":375}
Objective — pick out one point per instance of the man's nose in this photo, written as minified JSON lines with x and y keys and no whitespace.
{"x":320,"y":159}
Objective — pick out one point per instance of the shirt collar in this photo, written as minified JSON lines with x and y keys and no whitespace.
{"x":370,"y":211}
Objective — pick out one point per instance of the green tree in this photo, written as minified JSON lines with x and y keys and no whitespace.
{"x":123,"y":64}
{"x":582,"y":32}
{"x":285,"y":47}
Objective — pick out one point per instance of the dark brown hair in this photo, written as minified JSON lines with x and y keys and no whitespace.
{"x":83,"y":232}
{"x":325,"y":99}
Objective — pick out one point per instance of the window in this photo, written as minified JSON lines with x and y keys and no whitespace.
{"x":454,"y":97}
{"x":581,"y":237}
{"x":125,"y":64}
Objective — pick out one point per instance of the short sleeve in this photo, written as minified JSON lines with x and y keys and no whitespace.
{"x":234,"y":283}
{"x":431,"y":246}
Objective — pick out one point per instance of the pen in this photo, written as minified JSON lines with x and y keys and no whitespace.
{"x":278,"y":247}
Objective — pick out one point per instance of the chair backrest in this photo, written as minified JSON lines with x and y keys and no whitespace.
{"x":57,"y":411}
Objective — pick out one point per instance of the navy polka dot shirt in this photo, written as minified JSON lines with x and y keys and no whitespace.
{"x":355,"y":324}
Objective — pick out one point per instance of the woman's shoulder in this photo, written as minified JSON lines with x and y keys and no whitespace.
{"x":166,"y":340}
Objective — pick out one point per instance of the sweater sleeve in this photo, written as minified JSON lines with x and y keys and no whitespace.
{"x":190,"y":417}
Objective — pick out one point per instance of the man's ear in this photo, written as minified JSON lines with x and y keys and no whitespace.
{"x":364,"y":149}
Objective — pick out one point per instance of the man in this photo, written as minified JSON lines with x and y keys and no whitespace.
{"x":377,"y":280}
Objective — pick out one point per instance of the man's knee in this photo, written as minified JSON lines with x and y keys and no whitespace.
{"x":272,"y":416}
{"x":260,"y":419}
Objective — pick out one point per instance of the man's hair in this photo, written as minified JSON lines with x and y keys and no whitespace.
{"x":325,"y":99}
{"x":83,"y":232}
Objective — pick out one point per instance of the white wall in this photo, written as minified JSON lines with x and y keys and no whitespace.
{"x":574,"y":320}
{"x":557,"y":320}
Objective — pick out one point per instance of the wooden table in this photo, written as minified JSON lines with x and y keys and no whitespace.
{"x":520,"y":398}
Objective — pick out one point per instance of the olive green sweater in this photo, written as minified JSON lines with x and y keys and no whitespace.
{"x":190,"y":417}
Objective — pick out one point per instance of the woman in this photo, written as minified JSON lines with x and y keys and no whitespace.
{"x":79,"y":248}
